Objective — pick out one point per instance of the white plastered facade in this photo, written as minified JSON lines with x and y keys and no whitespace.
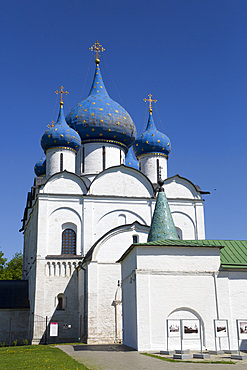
{"x":107,"y":211}
{"x":162,"y":283}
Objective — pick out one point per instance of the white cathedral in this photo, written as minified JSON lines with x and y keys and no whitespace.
{"x":87,"y":261}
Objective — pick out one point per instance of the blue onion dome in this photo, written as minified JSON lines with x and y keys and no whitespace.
{"x":130,"y":159}
{"x":60,"y":135}
{"x":152,"y":140}
{"x":40,"y":167}
{"x":99,"y":118}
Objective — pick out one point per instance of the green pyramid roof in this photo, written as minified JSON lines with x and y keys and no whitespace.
{"x":162,"y":225}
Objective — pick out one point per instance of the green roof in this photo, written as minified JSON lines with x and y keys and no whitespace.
{"x":233,"y":253}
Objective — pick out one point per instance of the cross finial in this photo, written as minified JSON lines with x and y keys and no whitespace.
{"x":98,"y":49}
{"x":61,"y":92}
{"x":150,"y":100}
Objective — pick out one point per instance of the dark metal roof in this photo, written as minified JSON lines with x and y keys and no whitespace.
{"x":14,"y":294}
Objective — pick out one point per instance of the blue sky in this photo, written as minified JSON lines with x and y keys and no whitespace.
{"x":191,"y":55}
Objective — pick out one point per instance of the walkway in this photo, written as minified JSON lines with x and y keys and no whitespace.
{"x":119,"y":357}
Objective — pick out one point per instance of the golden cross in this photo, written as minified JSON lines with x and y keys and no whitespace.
{"x":150,"y":100}
{"x":97,"y":48}
{"x":61,"y":92}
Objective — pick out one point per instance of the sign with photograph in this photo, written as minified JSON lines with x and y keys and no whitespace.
{"x":242,"y":329}
{"x":173,"y":328}
{"x":221,"y":328}
{"x":191,"y":329}
{"x":53,"y":329}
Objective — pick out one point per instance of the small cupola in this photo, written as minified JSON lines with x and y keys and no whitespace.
{"x":60,"y":144}
{"x":152,"y":149}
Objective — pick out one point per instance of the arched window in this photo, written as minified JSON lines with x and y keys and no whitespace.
{"x":61,"y":301}
{"x":68,"y":242}
{"x":135,"y":238}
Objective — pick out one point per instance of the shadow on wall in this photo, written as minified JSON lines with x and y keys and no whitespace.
{"x":65,"y":319}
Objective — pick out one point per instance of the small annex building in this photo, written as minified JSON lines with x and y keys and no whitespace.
{"x":182,"y":279}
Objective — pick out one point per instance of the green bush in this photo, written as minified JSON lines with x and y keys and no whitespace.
{"x":2,"y":344}
{"x":15,"y":342}
{"x":25,"y":342}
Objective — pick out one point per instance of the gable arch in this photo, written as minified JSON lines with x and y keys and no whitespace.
{"x":122,"y":181}
{"x":65,"y":183}
{"x":180,"y":187}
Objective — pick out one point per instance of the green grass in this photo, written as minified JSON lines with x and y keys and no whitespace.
{"x":37,"y":357}
{"x":188,"y":361}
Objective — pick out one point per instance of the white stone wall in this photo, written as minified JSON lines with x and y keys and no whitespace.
{"x":53,"y":160}
{"x":93,"y":157}
{"x":53,"y":278}
{"x":170,"y":283}
{"x":148,"y":166}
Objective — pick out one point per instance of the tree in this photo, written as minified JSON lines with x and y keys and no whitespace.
{"x":2,"y":265}
{"x":11,"y":270}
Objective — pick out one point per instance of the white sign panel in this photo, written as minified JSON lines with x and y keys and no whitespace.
{"x":242,"y":329}
{"x":173,"y":328}
{"x":191,"y":329}
{"x":53,"y":329}
{"x":221,"y":328}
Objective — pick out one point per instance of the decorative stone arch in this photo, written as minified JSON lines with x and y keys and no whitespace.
{"x":175,"y":215}
{"x":188,"y":313}
{"x":124,"y":212}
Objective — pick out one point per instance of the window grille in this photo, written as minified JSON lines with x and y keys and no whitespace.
{"x":68,"y":242}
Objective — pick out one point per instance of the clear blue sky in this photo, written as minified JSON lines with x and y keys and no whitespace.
{"x":191,"y":55}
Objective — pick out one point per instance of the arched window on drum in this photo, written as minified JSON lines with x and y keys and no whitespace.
{"x":68,"y":242}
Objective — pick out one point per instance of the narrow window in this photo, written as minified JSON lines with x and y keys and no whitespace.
{"x":135,"y":238}
{"x":61,"y":162}
{"x":158,"y":170}
{"x":83,"y":159}
{"x":68,"y":242}
{"x":140,"y":166}
{"x":61,"y":301}
{"x":103,"y":157}
{"x":120,"y":156}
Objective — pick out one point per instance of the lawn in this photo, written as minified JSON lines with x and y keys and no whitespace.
{"x":37,"y":357}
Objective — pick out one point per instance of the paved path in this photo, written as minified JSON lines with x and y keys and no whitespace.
{"x":119,"y":357}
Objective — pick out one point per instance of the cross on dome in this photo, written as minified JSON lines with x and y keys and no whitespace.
{"x":97,"y":48}
{"x":150,"y":100}
{"x":61,"y":92}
